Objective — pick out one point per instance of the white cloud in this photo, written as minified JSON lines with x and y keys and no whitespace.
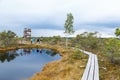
{"x":15,"y":13}
{"x":83,"y":10}
{"x":103,"y":32}
{"x":47,"y":32}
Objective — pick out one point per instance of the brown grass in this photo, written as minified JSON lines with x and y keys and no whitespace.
{"x":108,"y":70}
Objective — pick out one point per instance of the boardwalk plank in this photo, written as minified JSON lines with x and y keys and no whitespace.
{"x":96,"y":76}
{"x":92,"y":68}
{"x":86,"y":72}
{"x":91,"y":73}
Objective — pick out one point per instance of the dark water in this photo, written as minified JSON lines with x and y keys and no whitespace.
{"x":24,"y":63}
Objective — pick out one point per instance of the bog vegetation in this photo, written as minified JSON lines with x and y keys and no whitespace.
{"x":107,"y":49}
{"x":7,"y":38}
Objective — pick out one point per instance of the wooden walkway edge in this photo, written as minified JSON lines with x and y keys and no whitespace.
{"x":92,"y":69}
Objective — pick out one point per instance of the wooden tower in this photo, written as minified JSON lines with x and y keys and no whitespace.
{"x":27,"y":33}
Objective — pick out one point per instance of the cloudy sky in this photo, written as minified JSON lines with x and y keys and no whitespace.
{"x":47,"y":17}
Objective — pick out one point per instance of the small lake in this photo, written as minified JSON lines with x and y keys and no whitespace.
{"x":24,"y":63}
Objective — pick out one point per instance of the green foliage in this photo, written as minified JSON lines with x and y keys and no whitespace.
{"x":69,"y":24}
{"x":7,"y":38}
{"x":109,"y":47}
{"x":77,"y":55}
{"x":86,"y":41}
{"x":117,"y":32}
{"x":52,"y":40}
{"x":113,"y":49}
{"x":56,"y":39}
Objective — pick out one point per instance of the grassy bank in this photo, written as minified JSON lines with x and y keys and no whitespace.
{"x":70,"y":67}
{"x":19,"y":46}
{"x":14,"y":47}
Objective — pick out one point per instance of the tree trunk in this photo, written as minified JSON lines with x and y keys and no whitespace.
{"x":66,"y":42}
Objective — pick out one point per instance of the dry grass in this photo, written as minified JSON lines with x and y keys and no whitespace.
{"x":16,"y":47}
{"x":108,"y":71}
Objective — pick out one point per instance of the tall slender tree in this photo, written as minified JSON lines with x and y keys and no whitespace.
{"x":68,"y":26}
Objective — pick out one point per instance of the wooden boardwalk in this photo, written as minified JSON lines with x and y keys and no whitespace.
{"x":92,"y":69}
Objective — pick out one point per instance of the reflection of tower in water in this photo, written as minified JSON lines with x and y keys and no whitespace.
{"x":25,"y":52}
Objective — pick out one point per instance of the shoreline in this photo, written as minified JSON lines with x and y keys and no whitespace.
{"x":4,"y":49}
{"x":65,"y":68}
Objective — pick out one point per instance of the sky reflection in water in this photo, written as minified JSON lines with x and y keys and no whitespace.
{"x":23,"y":63}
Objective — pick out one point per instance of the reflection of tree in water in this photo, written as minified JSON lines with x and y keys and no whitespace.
{"x":50,"y":52}
{"x":11,"y":55}
{"x":47,"y":51}
{"x":8,"y":56}
{"x":28,"y":51}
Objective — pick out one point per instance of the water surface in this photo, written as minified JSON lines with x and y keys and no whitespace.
{"x":24,"y":63}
